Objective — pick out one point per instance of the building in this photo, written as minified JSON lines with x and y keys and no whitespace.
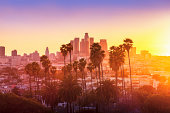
{"x":76,"y":46}
{"x":82,"y":50}
{"x":91,"y":41}
{"x":36,"y":56}
{"x":103,"y":44}
{"x":47,"y":52}
{"x":86,"y":44}
{"x":2,"y":51}
{"x":14,"y":53}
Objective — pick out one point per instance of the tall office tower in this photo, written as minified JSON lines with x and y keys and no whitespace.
{"x":47,"y":52}
{"x":103,"y":44}
{"x":76,"y":46}
{"x":2,"y":51}
{"x":82,"y":48}
{"x":91,"y":41}
{"x":14,"y":53}
{"x":86,"y":44}
{"x":133,"y":51}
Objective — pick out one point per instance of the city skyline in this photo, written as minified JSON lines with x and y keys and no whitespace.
{"x":52,"y":23}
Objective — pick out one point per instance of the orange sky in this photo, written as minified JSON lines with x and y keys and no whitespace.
{"x":29,"y":29}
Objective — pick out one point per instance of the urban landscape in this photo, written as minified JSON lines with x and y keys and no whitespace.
{"x":88,"y":73}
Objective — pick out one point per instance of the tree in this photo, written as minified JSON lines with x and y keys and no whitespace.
{"x":91,"y":67}
{"x":11,"y":103}
{"x":35,"y":71}
{"x":64,"y":52}
{"x":69,"y":90}
{"x":46,"y":64}
{"x":28,"y":69}
{"x":82,"y":65}
{"x":128,"y":43}
{"x":69,"y":49}
{"x":116,"y":58}
{"x":106,"y":91}
{"x":157,"y":104}
{"x":97,"y":56}
{"x":53,"y":71}
{"x":50,"y":95}
{"x":75,"y":67}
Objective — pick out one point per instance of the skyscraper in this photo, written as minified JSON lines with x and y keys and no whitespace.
{"x":82,"y":43}
{"x":76,"y":46}
{"x":91,"y":41}
{"x":103,"y":44}
{"x":47,"y":52}
{"x":14,"y":53}
{"x":2,"y":51}
{"x":86,"y":44}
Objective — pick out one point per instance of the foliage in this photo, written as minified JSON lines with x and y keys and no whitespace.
{"x":11,"y":103}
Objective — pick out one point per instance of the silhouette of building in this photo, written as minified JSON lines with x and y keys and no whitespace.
{"x":76,"y":46}
{"x":82,"y":48}
{"x":14,"y":53}
{"x":103,"y":44}
{"x":2,"y":51}
{"x":47,"y":52}
{"x":91,"y":41}
{"x":36,"y":56}
{"x":133,"y":51}
{"x":86,"y":44}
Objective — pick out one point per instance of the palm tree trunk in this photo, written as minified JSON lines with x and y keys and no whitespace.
{"x":102,"y":70}
{"x":121,"y":71}
{"x":64,"y":66}
{"x":70,"y":108}
{"x":70,"y":57}
{"x":84,"y":81}
{"x":99,"y":75}
{"x":97,"y":78}
{"x":130,"y":72}
{"x":91,"y":81}
{"x":30,"y":86}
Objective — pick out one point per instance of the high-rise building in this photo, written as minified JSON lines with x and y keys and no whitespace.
{"x":2,"y":51}
{"x":103,"y":44}
{"x":133,"y":51}
{"x":91,"y":41}
{"x":86,"y":44}
{"x":82,"y":43}
{"x":47,"y":52}
{"x":14,"y":53}
{"x":76,"y":46}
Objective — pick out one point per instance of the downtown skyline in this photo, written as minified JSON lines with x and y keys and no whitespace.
{"x":30,"y":25}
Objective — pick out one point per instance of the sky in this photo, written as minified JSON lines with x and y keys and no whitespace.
{"x":29,"y":25}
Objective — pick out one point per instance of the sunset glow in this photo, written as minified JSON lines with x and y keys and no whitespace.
{"x":23,"y":24}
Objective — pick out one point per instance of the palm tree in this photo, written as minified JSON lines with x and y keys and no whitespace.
{"x":91,"y":67}
{"x":69,"y":49}
{"x":106,"y":92}
{"x":46,"y":64}
{"x":69,"y":90}
{"x":35,"y":71}
{"x":75,"y":66}
{"x":116,"y":57}
{"x":82,"y":65}
{"x":28,"y":69}
{"x":97,"y":56}
{"x":122,"y":66}
{"x":50,"y":95}
{"x":64,"y":52}
{"x":128,"y":43}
